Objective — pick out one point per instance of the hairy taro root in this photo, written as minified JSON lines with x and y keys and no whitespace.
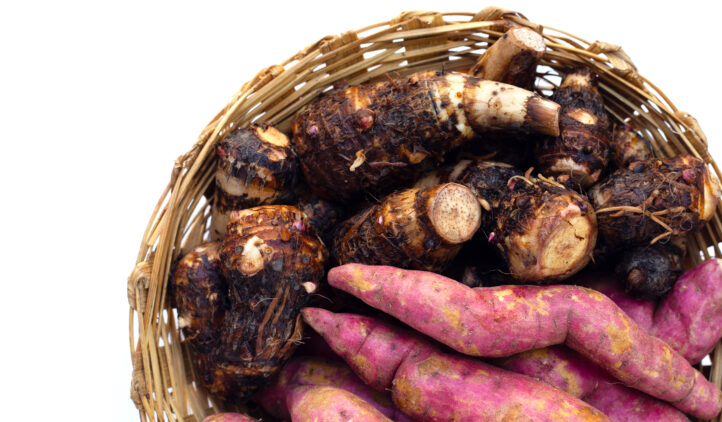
{"x":420,"y":228}
{"x":627,"y":147}
{"x":372,"y":137}
{"x":323,"y":215}
{"x":512,"y":59}
{"x":201,"y":297}
{"x":256,"y":166}
{"x":650,"y":271}
{"x":272,"y":260}
{"x":545,"y":232}
{"x":655,"y":199}
{"x":239,"y":301}
{"x":580,"y":154}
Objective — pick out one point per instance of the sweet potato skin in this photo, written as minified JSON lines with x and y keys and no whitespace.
{"x":312,"y":371}
{"x":570,"y":372}
{"x":429,"y":385}
{"x":329,"y":404}
{"x":640,"y":310}
{"x":501,"y":321}
{"x":690,"y":317}
{"x":229,"y":417}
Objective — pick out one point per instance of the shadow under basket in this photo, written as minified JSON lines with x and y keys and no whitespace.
{"x":163,"y":385}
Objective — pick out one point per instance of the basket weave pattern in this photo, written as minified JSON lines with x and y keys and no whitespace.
{"x":163,"y":384}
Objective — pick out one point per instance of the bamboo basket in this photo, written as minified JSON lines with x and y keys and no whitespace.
{"x":163,"y":385}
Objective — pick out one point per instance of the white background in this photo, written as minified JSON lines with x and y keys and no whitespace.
{"x":98,"y":99}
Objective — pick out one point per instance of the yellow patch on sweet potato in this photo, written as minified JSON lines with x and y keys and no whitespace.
{"x":453,"y":317}
{"x":570,"y":379}
{"x":596,"y":295}
{"x":503,"y":293}
{"x":358,"y":282}
{"x":360,"y":361}
{"x":514,"y":413}
{"x":620,"y":339}
{"x":407,"y":396}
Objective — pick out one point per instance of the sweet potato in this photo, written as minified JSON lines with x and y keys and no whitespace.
{"x":320,"y":372}
{"x":581,"y":152}
{"x":229,"y":417}
{"x":371,"y":137}
{"x":690,"y":317}
{"x":501,"y":321}
{"x":567,"y":370}
{"x":655,"y":199}
{"x":421,"y":228}
{"x":429,"y":385}
{"x":544,"y":231}
{"x":640,"y":310}
{"x":329,"y":404}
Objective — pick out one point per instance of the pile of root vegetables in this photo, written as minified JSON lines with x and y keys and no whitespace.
{"x":454,"y":247}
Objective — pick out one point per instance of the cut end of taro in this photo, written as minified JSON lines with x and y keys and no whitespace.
{"x":568,"y":248}
{"x":528,"y":40}
{"x":455,"y":213}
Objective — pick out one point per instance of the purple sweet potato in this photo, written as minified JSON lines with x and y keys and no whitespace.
{"x":328,"y":404}
{"x":565,"y":369}
{"x":317,"y":371}
{"x":429,"y":385}
{"x":505,"y":320}
{"x":690,"y":317}
{"x":229,"y":417}
{"x":640,"y":310}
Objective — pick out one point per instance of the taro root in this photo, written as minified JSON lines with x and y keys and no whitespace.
{"x":372,"y":137}
{"x":580,"y":154}
{"x":512,"y":59}
{"x":323,"y":215}
{"x":627,"y":147}
{"x":655,"y":199}
{"x":420,"y":228}
{"x":544,"y":231}
{"x":650,"y":271}
{"x":239,"y":301}
{"x":201,"y":296}
{"x":256,"y":166}
{"x":272,"y":260}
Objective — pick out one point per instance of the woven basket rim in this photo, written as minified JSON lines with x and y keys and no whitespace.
{"x":162,"y":380}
